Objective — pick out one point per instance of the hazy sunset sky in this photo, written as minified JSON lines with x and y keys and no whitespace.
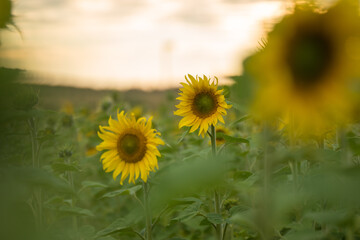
{"x":148,"y":44}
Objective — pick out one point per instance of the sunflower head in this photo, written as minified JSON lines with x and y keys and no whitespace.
{"x":305,"y":69}
{"x":130,"y":146}
{"x":201,"y":104}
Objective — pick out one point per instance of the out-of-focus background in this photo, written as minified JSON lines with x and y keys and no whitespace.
{"x":142,"y":44}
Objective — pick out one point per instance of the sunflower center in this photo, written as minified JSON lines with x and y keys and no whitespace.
{"x":131,"y":147}
{"x":204,"y":104}
{"x":310,"y":57}
{"x":129,"y":144}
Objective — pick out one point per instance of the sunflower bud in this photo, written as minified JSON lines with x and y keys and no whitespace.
{"x":229,"y":203}
{"x":105,"y":105}
{"x":65,"y":153}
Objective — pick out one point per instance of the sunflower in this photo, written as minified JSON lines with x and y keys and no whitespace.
{"x":201,"y":104}
{"x":305,"y":69}
{"x":131,"y":147}
{"x":221,"y":130}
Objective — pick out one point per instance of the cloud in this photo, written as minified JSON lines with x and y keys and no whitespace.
{"x":198,"y":12}
{"x":110,"y":40}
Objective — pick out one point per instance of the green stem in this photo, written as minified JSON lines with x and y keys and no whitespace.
{"x":218,"y":211}
{"x":34,"y":142}
{"x":213,"y":140}
{"x":343,"y":143}
{"x":293,"y":164}
{"x":158,"y":217}
{"x":217,"y":201}
{"x":139,"y":201}
{"x":266,"y":162}
{"x":294,"y":171}
{"x":266,"y":192}
{"x":35,"y":148}
{"x":73,"y":200}
{"x":226,"y":225}
{"x":147,"y":211}
{"x":139,"y":235}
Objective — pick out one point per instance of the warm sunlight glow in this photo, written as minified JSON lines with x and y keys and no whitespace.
{"x":93,"y":6}
{"x":264,"y":10}
{"x":104,"y":44}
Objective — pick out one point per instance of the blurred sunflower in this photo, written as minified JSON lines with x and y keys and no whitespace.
{"x":68,"y":108}
{"x":201,"y":104}
{"x":131,"y":147}
{"x":306,"y":67}
{"x":137,"y":111}
{"x":221,"y":130}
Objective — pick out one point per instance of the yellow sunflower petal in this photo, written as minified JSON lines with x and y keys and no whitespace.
{"x":131,"y":173}
{"x":137,"y":170}
{"x":106,"y":145}
{"x":124,"y":173}
{"x":221,"y":119}
{"x":186,"y":121}
{"x":201,"y":103}
{"x":118,"y":169}
{"x":156,"y":141}
{"x":130,"y":146}
{"x":195,"y":126}
{"x":144,"y":171}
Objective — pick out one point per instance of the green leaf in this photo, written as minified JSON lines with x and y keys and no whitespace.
{"x":187,"y":200}
{"x":75,"y":210}
{"x":304,"y":234}
{"x":87,"y":231}
{"x":237,"y":209}
{"x":214,"y":218}
{"x":354,"y":143}
{"x":329,"y":216}
{"x":244,"y":218}
{"x":61,"y":167}
{"x":230,"y":139}
{"x":244,"y":118}
{"x":189,"y":212}
{"x":242,"y":175}
{"x":91,"y":184}
{"x":55,"y":201}
{"x":126,"y":191}
{"x":183,"y":135}
{"x":117,"y":226}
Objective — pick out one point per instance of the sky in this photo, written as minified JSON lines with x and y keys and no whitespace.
{"x":146,"y":44}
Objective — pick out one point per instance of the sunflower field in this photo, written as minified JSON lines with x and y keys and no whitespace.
{"x":274,"y":155}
